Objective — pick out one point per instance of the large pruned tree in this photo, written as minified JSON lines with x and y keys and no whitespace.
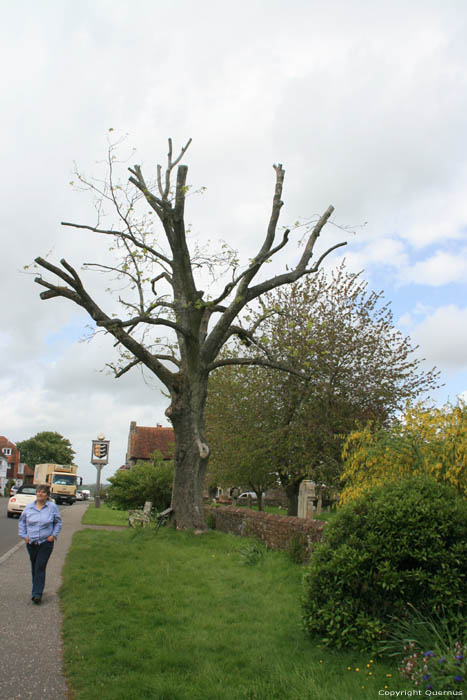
{"x":164,"y":294}
{"x":358,"y":367}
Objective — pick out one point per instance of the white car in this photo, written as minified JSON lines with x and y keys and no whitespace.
{"x":18,"y":502}
{"x":244,"y":496}
{"x":79,"y":496}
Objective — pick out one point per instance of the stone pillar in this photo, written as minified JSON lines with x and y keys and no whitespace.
{"x":306,"y":498}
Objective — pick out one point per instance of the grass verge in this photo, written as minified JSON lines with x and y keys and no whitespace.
{"x":104,"y":516}
{"x":174,"y":616}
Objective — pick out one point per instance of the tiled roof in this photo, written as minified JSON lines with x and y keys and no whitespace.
{"x":143,"y":441}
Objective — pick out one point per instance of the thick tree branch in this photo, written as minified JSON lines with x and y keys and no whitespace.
{"x":288,"y":277}
{"x":257,"y":261}
{"x":246,"y":294}
{"x":169,"y":358}
{"x":150,"y":321}
{"x":83,"y":299}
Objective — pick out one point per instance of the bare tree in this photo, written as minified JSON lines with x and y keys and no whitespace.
{"x":201,"y":325}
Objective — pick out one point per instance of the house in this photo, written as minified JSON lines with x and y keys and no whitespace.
{"x":144,"y":441}
{"x":3,"y":472}
{"x":16,"y":470}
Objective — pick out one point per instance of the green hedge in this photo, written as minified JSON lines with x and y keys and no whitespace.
{"x":398,"y":545}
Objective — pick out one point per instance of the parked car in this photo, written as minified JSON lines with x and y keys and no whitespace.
{"x":244,"y":496}
{"x":79,"y":496}
{"x":13,"y":489}
{"x":18,"y":502}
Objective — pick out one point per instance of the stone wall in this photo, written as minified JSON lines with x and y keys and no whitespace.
{"x":275,"y":530}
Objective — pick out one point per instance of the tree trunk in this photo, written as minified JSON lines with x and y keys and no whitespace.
{"x":191,"y":460}
{"x":291,"y":491}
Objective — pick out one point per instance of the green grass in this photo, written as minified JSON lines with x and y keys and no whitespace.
{"x":104,"y":516}
{"x":175,"y":616}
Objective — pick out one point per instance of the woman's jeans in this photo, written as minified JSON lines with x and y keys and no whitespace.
{"x":39,"y":555}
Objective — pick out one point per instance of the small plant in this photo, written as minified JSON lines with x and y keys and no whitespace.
{"x":438,"y":671}
{"x":252,"y":553}
{"x":432,"y":653}
{"x":298,"y":549}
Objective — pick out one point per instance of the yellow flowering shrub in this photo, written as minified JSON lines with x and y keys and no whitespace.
{"x":424,"y":441}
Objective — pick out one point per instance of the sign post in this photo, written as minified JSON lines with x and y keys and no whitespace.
{"x":99,"y":457}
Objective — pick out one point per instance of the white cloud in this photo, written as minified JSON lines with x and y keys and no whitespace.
{"x":442,"y":335}
{"x":439,"y":269}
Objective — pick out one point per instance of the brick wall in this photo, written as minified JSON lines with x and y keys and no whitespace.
{"x":275,"y":530}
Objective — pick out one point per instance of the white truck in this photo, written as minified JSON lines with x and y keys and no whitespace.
{"x":62,"y":479}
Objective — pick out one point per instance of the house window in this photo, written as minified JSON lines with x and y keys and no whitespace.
{"x":20,"y":468}
{"x":6,"y":450}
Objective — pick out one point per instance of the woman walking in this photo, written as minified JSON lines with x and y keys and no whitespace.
{"x":39,"y":526}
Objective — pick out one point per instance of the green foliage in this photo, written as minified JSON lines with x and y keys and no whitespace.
{"x":396,"y":546}
{"x":252,"y":553}
{"x":353,"y":365}
{"x":46,"y":447}
{"x":146,"y":481}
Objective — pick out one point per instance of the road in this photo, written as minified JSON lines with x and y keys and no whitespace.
{"x":8,"y":529}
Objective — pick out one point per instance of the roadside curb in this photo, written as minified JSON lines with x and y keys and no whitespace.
{"x":11,"y":551}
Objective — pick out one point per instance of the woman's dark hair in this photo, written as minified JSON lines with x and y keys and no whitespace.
{"x":44,"y":488}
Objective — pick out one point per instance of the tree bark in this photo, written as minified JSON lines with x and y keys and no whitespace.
{"x":191,"y":458}
{"x":291,"y":491}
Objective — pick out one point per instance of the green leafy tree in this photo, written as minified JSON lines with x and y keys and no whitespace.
{"x":237,"y":417}
{"x":158,"y":276}
{"x":46,"y":447}
{"x":145,"y":481}
{"x":357,"y":366}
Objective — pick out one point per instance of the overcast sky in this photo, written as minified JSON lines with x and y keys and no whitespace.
{"x":364,"y":103}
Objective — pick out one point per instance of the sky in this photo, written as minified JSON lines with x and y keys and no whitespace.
{"x":362,"y":102}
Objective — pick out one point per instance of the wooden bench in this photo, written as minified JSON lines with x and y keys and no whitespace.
{"x":140,"y":518}
{"x":163,"y":518}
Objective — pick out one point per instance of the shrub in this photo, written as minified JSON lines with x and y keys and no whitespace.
{"x":400,"y":545}
{"x":146,"y":481}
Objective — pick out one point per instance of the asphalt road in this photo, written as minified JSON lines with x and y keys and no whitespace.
{"x":8,"y":529}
